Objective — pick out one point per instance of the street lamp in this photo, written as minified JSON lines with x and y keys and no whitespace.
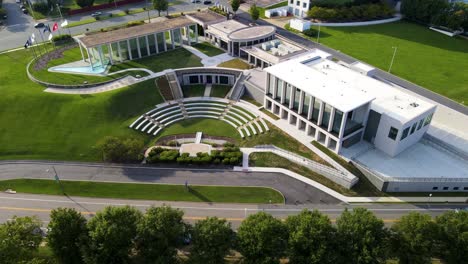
{"x":429,"y":201}
{"x":393,"y":57}
{"x":57,"y":179}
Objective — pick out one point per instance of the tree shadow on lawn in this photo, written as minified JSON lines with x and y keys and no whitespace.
{"x":406,"y":31}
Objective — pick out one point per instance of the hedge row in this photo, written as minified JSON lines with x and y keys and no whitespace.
{"x":227,"y":156}
{"x":353,"y":13}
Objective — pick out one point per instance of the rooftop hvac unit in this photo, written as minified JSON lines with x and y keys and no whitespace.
{"x":275,"y":43}
{"x":266,"y":46}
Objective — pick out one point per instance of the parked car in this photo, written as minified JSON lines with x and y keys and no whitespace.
{"x":96,"y":14}
{"x":207,"y":2}
{"x":196,"y":1}
{"x":18,"y":1}
{"x":25,"y":11}
{"x":21,"y":6}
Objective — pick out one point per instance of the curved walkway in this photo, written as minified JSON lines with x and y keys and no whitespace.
{"x":397,"y":17}
{"x":121,"y":83}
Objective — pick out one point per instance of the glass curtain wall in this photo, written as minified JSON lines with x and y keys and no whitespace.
{"x":177,"y":37}
{"x":152,"y":44}
{"x":279,"y":90}
{"x":124,"y":50}
{"x":297,"y":97}
{"x":115,"y":52}
{"x":287,"y":97}
{"x":143,"y":49}
{"x":306,"y":105}
{"x":316,"y":110}
{"x":337,"y":121}
{"x":326,"y":116}
{"x":134,"y":48}
{"x":160,"y":41}
{"x":271,"y":87}
{"x":167,"y":35}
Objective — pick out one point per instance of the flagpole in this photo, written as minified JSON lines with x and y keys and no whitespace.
{"x":43,"y":42}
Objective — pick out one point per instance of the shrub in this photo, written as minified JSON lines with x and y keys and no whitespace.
{"x":84,"y":3}
{"x":41,"y":7}
{"x":61,"y":38}
{"x":127,"y":11}
{"x":172,"y":143}
{"x":121,"y":150}
{"x":134,"y":23}
{"x":351,"y":13}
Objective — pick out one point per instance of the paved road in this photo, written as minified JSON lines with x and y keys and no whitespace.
{"x":20,"y":26}
{"x":295,"y":192}
{"x":245,"y":18}
{"x":41,"y":205}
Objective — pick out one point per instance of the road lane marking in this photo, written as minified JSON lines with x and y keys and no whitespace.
{"x":232,"y":219}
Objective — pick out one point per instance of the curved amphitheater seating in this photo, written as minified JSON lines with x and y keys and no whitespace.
{"x":165,"y":114}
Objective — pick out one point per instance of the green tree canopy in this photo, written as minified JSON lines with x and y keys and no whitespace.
{"x":111,"y":235}
{"x":362,"y":237}
{"x":19,"y":239}
{"x":413,"y":238}
{"x":452,"y":237}
{"x":311,"y":238}
{"x":160,"y":5}
{"x":160,"y":232}
{"x":118,"y":150}
{"x":261,"y":238}
{"x":212,"y":239}
{"x":235,"y":4}
{"x":254,"y":12}
{"x":84,"y":3}
{"x":67,"y":230}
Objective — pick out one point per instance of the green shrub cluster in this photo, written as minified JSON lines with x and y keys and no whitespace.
{"x":230,"y":155}
{"x":41,"y":7}
{"x":218,"y":10}
{"x":61,"y":38}
{"x":134,"y":23}
{"x":352,"y":13}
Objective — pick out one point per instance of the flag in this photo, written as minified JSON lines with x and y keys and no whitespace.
{"x":46,"y":28}
{"x":50,"y":36}
{"x":64,"y":23}
{"x":54,"y":27}
{"x":32,"y":38}
{"x":27,"y":44}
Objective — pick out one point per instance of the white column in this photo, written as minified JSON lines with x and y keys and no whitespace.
{"x":196,"y":33}
{"x":229,"y":47}
{"x":90,"y":58}
{"x":164,"y":38}
{"x":343,"y":125}
{"x":171,"y":33}
{"x":187,"y":32}
{"x":330,"y":122}
{"x":81,"y":50}
{"x":100,"y":55}
{"x":138,"y":47}
{"x":291,"y":97}
{"x":301,"y":102}
{"x":129,"y":50}
{"x":147,"y":45}
{"x":319,"y":119}
{"x":109,"y":48}
{"x":311,"y":106}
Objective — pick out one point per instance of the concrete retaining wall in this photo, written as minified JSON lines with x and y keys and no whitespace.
{"x":357,"y":24}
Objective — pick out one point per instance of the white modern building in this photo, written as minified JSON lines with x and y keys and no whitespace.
{"x":299,"y":8}
{"x":340,"y":106}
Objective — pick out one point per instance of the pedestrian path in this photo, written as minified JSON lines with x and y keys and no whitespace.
{"x":208,"y":90}
{"x":206,"y":60}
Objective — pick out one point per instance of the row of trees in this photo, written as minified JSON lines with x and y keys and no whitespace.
{"x":437,"y":12}
{"x":351,"y":13}
{"x":125,"y":235}
{"x":342,"y":3}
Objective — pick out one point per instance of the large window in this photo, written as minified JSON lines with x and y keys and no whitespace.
{"x":143,"y":49}
{"x":428,"y":120}
{"x":405,"y":133}
{"x":279,"y":89}
{"x":124,"y":50}
{"x":326,"y":116}
{"x":393,"y":133}
{"x":134,"y":48}
{"x":271,"y":87}
{"x":316,"y":110}
{"x":413,"y":128}
{"x":115,"y":52}
{"x":420,"y":123}
{"x":297,"y":97}
{"x":306,"y":105}
{"x":152,"y":44}
{"x":337,"y":121}
{"x":160,"y":39}
{"x":168,"y":38}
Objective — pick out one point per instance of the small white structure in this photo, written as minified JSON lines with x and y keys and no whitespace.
{"x":279,"y":11}
{"x":299,"y":24}
{"x":299,"y":8}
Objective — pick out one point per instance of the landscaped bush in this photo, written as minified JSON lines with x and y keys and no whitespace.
{"x":121,"y":150}
{"x":61,"y":38}
{"x":218,"y":10}
{"x":134,"y":23}
{"x":41,"y":7}
{"x":352,"y":13}
{"x":228,"y":156}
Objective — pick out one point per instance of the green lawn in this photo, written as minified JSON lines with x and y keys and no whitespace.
{"x":38,"y":125}
{"x":235,"y":64}
{"x":193,"y":90}
{"x":282,"y":140}
{"x":210,"y":127}
{"x":220,"y":90}
{"x":208,"y":49}
{"x":161,"y":192}
{"x":427,"y":58}
{"x":178,"y":58}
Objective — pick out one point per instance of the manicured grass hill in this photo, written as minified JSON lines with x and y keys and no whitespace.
{"x":39,"y":125}
{"x":161,"y":192}
{"x":208,"y":49}
{"x":427,"y":58}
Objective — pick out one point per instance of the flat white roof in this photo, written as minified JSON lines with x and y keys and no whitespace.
{"x":346,"y":89}
{"x":223,"y":29}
